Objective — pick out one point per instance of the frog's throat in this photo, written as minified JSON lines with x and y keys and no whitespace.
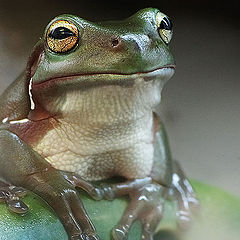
{"x":100,"y":79}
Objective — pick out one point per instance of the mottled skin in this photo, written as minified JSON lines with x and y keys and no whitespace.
{"x":89,"y":114}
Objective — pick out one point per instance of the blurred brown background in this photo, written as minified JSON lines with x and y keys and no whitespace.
{"x":200,"y":105}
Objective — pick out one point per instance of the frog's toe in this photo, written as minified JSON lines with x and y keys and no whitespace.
{"x":93,"y":237}
{"x":147,"y":236}
{"x":131,"y":214}
{"x":11,"y":196}
{"x":95,"y":192}
{"x":83,"y":236}
{"x":75,"y":237}
{"x":120,"y":233}
{"x":151,"y":221}
{"x":192,"y":200}
{"x":184,"y":220}
{"x":18,"y":191}
{"x":78,"y":237}
{"x":17,"y":206}
{"x":108,"y":192}
{"x":89,"y":236}
{"x":3,"y":195}
{"x":194,"y":204}
{"x":183,"y":208}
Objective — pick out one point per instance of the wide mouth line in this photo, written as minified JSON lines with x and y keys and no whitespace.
{"x":106,"y":73}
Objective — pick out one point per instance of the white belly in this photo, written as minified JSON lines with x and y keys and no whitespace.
{"x":97,"y":154}
{"x":104,"y":132}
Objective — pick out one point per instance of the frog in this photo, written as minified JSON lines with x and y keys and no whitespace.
{"x":84,"y":111}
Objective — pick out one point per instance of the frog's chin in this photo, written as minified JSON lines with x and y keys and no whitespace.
{"x":101,"y":79}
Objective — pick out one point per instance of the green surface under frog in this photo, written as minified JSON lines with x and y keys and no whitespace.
{"x":219,"y":218}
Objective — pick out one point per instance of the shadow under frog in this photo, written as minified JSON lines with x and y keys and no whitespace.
{"x":84,"y":111}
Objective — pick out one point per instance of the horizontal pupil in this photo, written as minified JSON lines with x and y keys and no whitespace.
{"x":166,"y":24}
{"x":61,"y":33}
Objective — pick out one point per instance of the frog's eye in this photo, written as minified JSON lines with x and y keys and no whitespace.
{"x":62,"y":36}
{"x":164,"y":26}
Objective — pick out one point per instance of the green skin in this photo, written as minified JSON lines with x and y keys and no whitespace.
{"x":95,"y":61}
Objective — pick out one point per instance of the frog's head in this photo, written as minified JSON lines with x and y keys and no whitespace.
{"x":76,"y":55}
{"x":76,"y":51}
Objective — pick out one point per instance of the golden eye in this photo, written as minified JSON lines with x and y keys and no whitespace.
{"x":164,"y":26}
{"x":62,"y":36}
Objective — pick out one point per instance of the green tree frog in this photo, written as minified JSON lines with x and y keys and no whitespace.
{"x":84,"y":110}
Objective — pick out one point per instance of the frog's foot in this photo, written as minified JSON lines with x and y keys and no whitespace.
{"x":11,"y":195}
{"x":62,"y":196}
{"x":146,"y":206}
{"x":183,"y":192}
{"x":24,"y":167}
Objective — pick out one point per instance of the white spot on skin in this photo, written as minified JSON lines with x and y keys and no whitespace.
{"x":19,"y":121}
{"x":30,"y":94}
{"x":5,"y":120}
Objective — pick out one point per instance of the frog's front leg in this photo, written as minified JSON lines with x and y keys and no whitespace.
{"x":21,"y":166}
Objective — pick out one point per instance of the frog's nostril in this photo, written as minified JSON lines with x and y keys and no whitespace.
{"x":115,"y":42}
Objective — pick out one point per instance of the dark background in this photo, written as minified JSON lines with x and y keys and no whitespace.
{"x":200,"y":105}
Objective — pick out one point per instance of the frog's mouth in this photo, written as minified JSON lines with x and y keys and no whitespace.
{"x":102,"y":79}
